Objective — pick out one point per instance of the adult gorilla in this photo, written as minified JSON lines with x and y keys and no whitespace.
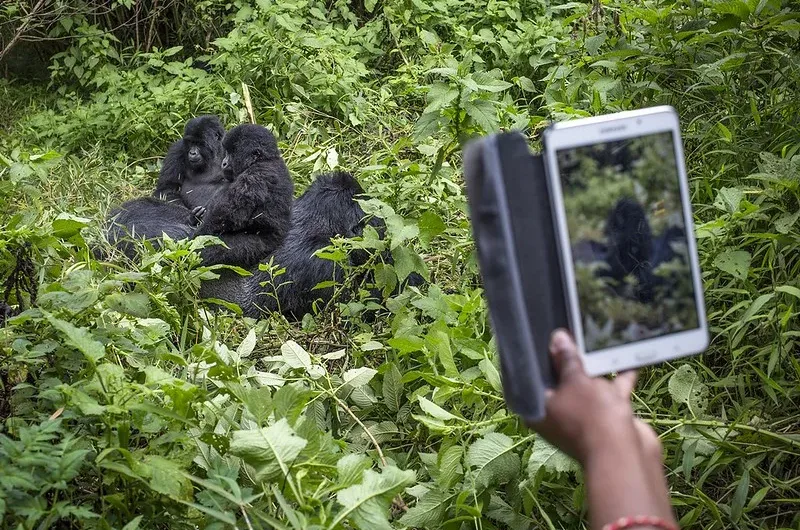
{"x":190,"y":177}
{"x":326,"y":210}
{"x":251,"y":214}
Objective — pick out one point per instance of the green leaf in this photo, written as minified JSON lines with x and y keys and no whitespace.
{"x":430,"y":225}
{"x":492,"y":375}
{"x":427,"y":125}
{"x":435,"y":410}
{"x":66,"y":225}
{"x":789,"y":289}
{"x":526,"y":84}
{"x":686,"y":387}
{"x":440,"y":95}
{"x":133,"y":304}
{"x":549,"y":458}
{"x":786,"y":221}
{"x":729,"y":199}
{"x":270,"y":450}
{"x":366,"y":505}
{"x":351,"y":468}
{"x":407,"y":261}
{"x":740,"y":496}
{"x":450,"y":468}
{"x":734,"y":262}
{"x":392,"y":388}
{"x":133,"y":524}
{"x":79,"y":338}
{"x":493,"y":460}
{"x":247,"y":346}
{"x":167,"y":477}
{"x":359,"y":376}
{"x":429,"y":512}
{"x":294,"y":355}
{"x":593,"y":43}
{"x":486,"y":81}
{"x":438,"y":342}
{"x":484,"y":113}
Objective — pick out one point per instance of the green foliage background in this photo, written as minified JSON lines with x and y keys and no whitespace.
{"x":125,"y":404}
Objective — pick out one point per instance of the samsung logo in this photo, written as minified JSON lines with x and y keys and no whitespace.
{"x":612,"y":129}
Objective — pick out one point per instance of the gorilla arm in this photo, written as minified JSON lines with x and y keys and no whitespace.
{"x":170,"y":177}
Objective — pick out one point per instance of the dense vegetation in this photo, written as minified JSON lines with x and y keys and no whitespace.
{"x":125,"y":404}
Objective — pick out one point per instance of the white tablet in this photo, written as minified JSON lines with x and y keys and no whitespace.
{"x":620,"y":199}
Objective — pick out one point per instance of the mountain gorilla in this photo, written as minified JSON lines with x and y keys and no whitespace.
{"x":190,"y":176}
{"x":191,"y":172}
{"x":326,"y":210}
{"x":252,"y":213}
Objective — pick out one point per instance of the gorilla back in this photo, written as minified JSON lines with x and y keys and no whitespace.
{"x":148,"y":218}
{"x":252,"y":213}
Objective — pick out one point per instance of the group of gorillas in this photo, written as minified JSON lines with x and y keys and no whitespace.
{"x":237,"y":187}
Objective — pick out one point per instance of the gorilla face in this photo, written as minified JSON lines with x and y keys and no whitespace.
{"x":202,"y":139}
{"x":246,"y":145}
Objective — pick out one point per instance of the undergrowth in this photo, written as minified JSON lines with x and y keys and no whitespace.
{"x":127,"y":404}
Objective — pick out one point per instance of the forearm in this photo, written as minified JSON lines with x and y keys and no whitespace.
{"x":623,"y":480}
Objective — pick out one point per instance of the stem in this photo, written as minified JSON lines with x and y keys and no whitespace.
{"x":728,"y":426}
{"x":21,"y":31}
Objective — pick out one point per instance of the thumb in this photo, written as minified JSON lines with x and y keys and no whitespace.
{"x":565,"y":356}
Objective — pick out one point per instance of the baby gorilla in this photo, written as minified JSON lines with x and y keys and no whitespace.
{"x":190,"y":176}
{"x":191,"y":173}
{"x":251,"y":214}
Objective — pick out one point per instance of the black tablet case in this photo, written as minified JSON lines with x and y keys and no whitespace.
{"x":519,"y":263}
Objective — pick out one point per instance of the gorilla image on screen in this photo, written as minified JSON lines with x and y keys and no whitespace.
{"x":191,"y":174}
{"x":252,"y":213}
{"x":629,"y":248}
{"x":326,"y":210}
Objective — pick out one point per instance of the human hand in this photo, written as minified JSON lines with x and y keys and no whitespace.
{"x":584,"y":413}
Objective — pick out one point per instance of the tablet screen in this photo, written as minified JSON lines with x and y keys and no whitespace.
{"x":628,"y":237}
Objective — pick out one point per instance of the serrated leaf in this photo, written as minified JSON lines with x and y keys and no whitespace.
{"x":786,"y":221}
{"x":79,"y":338}
{"x":450,"y":468}
{"x":440,"y":95}
{"x":359,"y":376}
{"x":686,"y":387}
{"x":492,"y":375}
{"x":550,"y":458}
{"x":486,"y":81}
{"x":427,"y":125}
{"x":438,"y":341}
{"x":270,"y":450}
{"x":734,"y":262}
{"x":526,"y":84}
{"x":729,"y":199}
{"x":493,"y":460}
{"x":248,"y":345}
{"x":392,"y":388}
{"x":167,"y":477}
{"x":407,"y":261}
{"x":366,"y":505}
{"x":429,"y":512}
{"x":294,"y":355}
{"x":351,"y":469}
{"x":133,"y":304}
{"x":484,"y":113}
{"x":435,"y":410}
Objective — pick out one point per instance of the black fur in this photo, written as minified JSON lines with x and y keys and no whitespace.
{"x":191,"y":172}
{"x":148,"y":218}
{"x":326,"y":210}
{"x":252,"y":213}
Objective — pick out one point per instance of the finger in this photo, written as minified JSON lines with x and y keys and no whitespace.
{"x":626,"y":382}
{"x":565,"y":355}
